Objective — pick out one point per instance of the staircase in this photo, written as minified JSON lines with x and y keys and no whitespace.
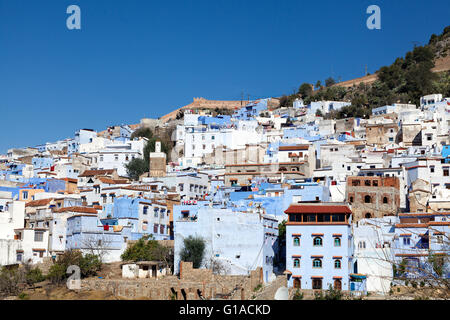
{"x":269,"y":290}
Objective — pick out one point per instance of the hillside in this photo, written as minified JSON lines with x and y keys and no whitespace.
{"x":440,"y":45}
{"x":442,"y":64}
{"x":422,"y":71}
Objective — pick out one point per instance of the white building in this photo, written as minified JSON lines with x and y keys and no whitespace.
{"x":373,"y":253}
{"x":11,"y":217}
{"x":239,"y":241}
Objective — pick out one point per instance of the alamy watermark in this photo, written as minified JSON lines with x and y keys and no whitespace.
{"x":74,"y":281}
{"x":374,"y":21}
{"x":74,"y":20}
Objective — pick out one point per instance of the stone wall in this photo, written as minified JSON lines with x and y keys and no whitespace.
{"x":193,"y":284}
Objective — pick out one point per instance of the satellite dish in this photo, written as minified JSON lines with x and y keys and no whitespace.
{"x":282,"y":294}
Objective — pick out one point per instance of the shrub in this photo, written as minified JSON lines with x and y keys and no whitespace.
{"x":57,"y":273}
{"x":34,"y":276}
{"x":258,"y":287}
{"x":11,"y":280}
{"x":89,"y":264}
{"x":147,"y":250}
{"x":23,"y":296}
{"x":298,"y":295}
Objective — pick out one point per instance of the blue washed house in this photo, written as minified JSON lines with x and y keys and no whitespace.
{"x":419,"y":238}
{"x":251,"y":110}
{"x":319,"y":246}
{"x":446,"y":153}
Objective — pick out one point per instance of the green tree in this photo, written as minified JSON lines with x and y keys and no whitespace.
{"x":193,"y":251}
{"x":318,"y":85}
{"x":305,"y":90}
{"x":89,"y":265}
{"x":142,"y":132}
{"x":329,"y":82}
{"x":136,"y":167}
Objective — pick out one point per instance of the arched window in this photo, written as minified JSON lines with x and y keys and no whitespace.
{"x":317,"y":241}
{"x":337,"y":242}
{"x":337,"y":264}
{"x":297,"y":283}
{"x":296,"y":263}
{"x":296,"y":241}
{"x":368,"y":215}
{"x":367,"y":199}
{"x":317,"y":263}
{"x":385,"y":200}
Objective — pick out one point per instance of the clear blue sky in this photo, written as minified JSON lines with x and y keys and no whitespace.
{"x":139,"y":58}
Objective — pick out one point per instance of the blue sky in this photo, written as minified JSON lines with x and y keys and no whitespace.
{"x":140,"y":58}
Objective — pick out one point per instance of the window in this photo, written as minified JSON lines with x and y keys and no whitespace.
{"x":406,"y":241}
{"x":432,"y":169}
{"x":317,"y":284}
{"x":19,"y":257}
{"x":161,"y":229}
{"x":367,"y":183}
{"x":317,"y":241}
{"x":296,"y":241}
{"x":337,"y":263}
{"x":337,"y":241}
{"x":355,"y":183}
{"x":439,"y":239}
{"x":155,"y":228}
{"x":367,"y":199}
{"x":38,"y":236}
{"x":296,"y":263}
{"x":25,"y":194}
{"x":385,"y":200}
{"x":351,"y":199}
{"x":368,"y":215}
{"x":317,"y":263}
{"x":375,"y":183}
{"x":116,"y":157}
{"x":145,"y":209}
{"x":446,"y":172}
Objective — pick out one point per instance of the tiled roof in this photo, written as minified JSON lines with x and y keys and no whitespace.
{"x":77,"y":209}
{"x":91,"y":173}
{"x":38,"y":203}
{"x":320,"y":208}
{"x":112,"y":181}
{"x":289,"y":148}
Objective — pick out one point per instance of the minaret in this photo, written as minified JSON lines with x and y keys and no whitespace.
{"x":157,"y":162}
